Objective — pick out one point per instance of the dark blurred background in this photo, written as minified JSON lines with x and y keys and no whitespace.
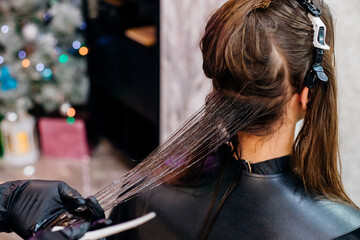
{"x":123,"y":66}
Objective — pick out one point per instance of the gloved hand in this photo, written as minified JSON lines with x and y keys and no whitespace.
{"x":26,"y":205}
{"x":73,"y":233}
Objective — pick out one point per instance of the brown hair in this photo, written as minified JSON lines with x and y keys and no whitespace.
{"x":255,"y":51}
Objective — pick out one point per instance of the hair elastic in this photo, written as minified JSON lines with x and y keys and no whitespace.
{"x":317,"y":71}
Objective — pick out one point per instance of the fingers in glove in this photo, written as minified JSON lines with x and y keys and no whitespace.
{"x":48,"y":235}
{"x":94,"y":211}
{"x":88,"y":208}
{"x":99,"y":224}
{"x":71,"y":198}
{"x":76,"y":231}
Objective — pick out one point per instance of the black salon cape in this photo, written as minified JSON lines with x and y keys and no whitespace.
{"x":269,"y":203}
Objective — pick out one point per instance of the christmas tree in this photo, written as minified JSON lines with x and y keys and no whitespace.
{"x":42,"y":54}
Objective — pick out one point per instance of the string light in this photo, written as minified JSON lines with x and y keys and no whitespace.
{"x":83,"y":51}
{"x":64,"y":107}
{"x":70,"y":120}
{"x":5,"y":29}
{"x":1,"y":59}
{"x":71,"y":112}
{"x":76,"y":44}
{"x":63,"y":58}
{"x":22,"y":54}
{"x":47,"y":73}
{"x":82,"y":25}
{"x":57,"y":50}
{"x":25,"y":63}
{"x":40,"y":67}
{"x":47,"y":16}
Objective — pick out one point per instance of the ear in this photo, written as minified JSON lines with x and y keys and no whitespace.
{"x":304,"y":98}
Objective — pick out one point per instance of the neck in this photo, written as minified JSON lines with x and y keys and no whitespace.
{"x":261,"y":148}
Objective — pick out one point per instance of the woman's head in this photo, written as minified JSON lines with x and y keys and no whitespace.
{"x":260,"y":52}
{"x":256,"y":49}
{"x":262,"y":49}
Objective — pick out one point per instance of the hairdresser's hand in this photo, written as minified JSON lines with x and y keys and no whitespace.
{"x":27,"y":205}
{"x":74,"y":232}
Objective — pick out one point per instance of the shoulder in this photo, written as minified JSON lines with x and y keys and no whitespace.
{"x":353,"y":235}
{"x":339,"y":217}
{"x":260,"y":207}
{"x":281,"y":207}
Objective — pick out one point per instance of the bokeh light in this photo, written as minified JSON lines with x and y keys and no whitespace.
{"x":1,"y":59}
{"x":25,"y":63}
{"x":47,"y":16}
{"x":5,"y":28}
{"x":22,"y":54}
{"x":82,"y":25}
{"x":76,"y":44}
{"x":70,"y":120}
{"x":40,"y":67}
{"x":29,"y":171}
{"x":57,"y":50}
{"x":71,"y":112}
{"x":47,"y":73}
{"x":83,"y":51}
{"x":64,"y":107}
{"x":63,"y":58}
{"x":11,"y":116}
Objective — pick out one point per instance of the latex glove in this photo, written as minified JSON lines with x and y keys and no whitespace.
{"x":72,"y":233}
{"x":26,"y":205}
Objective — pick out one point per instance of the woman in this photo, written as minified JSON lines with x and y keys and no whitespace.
{"x":271,"y":67}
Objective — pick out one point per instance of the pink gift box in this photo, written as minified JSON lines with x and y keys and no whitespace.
{"x":60,"y":139}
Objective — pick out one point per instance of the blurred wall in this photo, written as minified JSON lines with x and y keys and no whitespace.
{"x":347,"y":17}
{"x":183,"y":85}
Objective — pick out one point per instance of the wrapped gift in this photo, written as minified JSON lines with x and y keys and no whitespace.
{"x":59,"y":138}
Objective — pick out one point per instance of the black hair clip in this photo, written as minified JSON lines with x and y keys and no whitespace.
{"x":317,"y":71}
{"x":309,"y":5}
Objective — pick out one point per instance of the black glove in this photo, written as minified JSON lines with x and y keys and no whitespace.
{"x":25,"y":206}
{"x":73,"y":233}
{"x":68,"y":233}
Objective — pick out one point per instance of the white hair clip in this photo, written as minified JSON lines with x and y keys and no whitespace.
{"x":319,"y":32}
{"x":317,"y":71}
